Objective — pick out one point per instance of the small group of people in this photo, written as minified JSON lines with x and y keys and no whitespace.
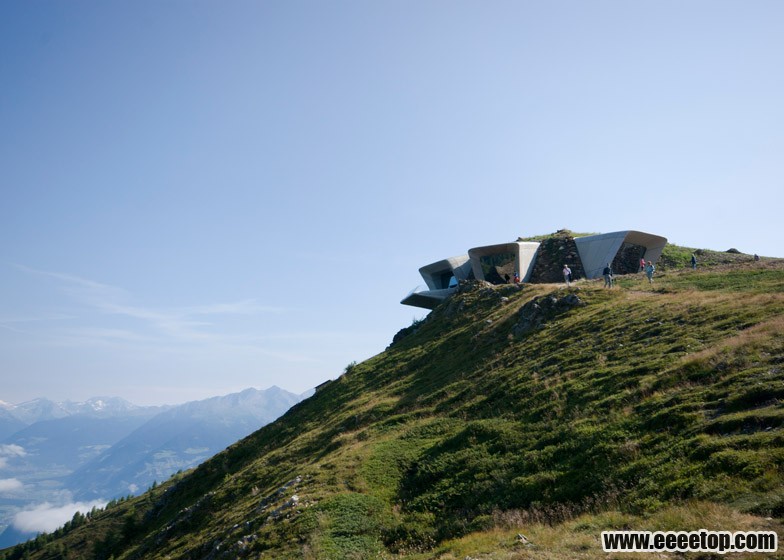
{"x":648,"y":268}
{"x":609,"y":276}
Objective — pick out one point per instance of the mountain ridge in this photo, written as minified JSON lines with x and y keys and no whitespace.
{"x":42,"y":408}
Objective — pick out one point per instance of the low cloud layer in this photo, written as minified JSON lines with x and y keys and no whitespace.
{"x":45,"y":518}
{"x":9,"y":452}
{"x":10,"y":485}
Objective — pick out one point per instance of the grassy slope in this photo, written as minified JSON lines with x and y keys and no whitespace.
{"x":642,"y":408}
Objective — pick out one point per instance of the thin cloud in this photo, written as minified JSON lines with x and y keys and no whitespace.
{"x":10,"y":322}
{"x":45,"y":518}
{"x":12,"y":450}
{"x":313,"y":335}
{"x":186,"y":323}
{"x":10,"y":485}
{"x":12,"y":329}
{"x":244,"y":307}
{"x":76,"y":286}
{"x":15,"y":319}
{"x":170,"y":322}
{"x":98,"y":335}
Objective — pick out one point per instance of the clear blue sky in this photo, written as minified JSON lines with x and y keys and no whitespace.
{"x":198,"y":197}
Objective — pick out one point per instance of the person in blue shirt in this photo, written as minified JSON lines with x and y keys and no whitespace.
{"x":649,"y":270}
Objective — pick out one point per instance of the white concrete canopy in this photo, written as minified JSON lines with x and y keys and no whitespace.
{"x":429,"y":299}
{"x":438,"y":274}
{"x":598,"y":250}
{"x":522,"y":252}
{"x":441,"y":278}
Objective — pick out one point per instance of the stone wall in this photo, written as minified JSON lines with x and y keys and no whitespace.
{"x":627,"y":261}
{"x":553,"y":253}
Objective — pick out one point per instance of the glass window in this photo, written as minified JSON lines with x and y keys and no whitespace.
{"x":498,"y":268}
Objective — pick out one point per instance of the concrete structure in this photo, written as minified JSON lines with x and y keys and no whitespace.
{"x":441,"y":278}
{"x":494,"y":263}
{"x":443,"y":274}
{"x":491,"y":263}
{"x":429,"y":299}
{"x":623,"y":249}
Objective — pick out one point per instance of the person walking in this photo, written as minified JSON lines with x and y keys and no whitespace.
{"x":649,"y":270}
{"x":608,"y":276}
{"x":642,"y":265}
{"x":693,"y":262}
{"x":567,"y":272}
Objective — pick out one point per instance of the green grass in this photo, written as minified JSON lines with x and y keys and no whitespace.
{"x":643,"y":401}
{"x":577,"y":537}
{"x":561,"y":233}
{"x":677,"y":257}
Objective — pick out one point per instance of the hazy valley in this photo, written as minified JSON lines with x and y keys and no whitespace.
{"x":60,"y":456}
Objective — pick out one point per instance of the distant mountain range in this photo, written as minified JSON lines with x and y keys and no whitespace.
{"x":14,"y":417}
{"x":98,"y":407}
{"x":177,"y":439}
{"x":58,"y":453}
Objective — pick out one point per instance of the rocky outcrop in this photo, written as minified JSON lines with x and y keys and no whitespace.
{"x":534,"y":314}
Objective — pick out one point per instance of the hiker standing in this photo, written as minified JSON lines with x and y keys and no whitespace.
{"x":642,"y":265}
{"x":608,"y":276}
{"x":693,"y":262}
{"x":567,"y":272}
{"x":649,"y":270}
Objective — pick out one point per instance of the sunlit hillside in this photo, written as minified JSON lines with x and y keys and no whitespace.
{"x":537,"y":410}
